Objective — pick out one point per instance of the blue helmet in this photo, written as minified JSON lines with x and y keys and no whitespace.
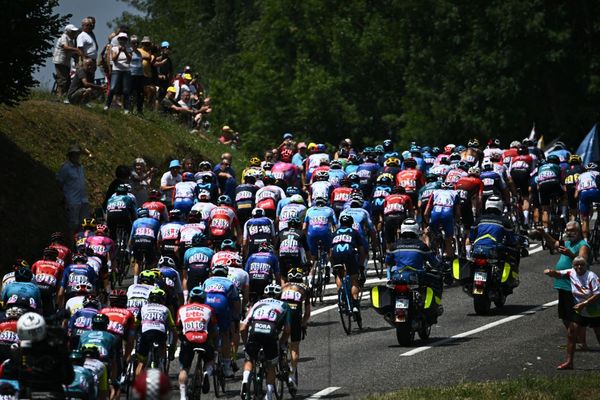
{"x":143,"y":213}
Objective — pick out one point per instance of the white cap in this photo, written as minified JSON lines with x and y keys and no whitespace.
{"x":71,"y":28}
{"x":122,"y":35}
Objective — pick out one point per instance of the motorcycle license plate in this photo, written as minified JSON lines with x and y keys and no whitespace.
{"x":480,"y":277}
{"x":401,"y":304}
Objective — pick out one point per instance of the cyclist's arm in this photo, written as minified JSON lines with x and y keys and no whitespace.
{"x":307,"y":311}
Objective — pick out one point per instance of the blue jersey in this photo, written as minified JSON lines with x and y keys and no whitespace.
{"x":146,"y":227}
{"x":361,"y":217}
{"x":345,"y":242}
{"x":221,"y":293}
{"x":429,"y":160}
{"x":84,"y":384}
{"x":420,"y":163}
{"x":16,"y":292}
{"x":76,"y":274}
{"x":105,"y":341}
{"x":409,"y":253}
{"x":262,"y":266}
{"x":379,"y":195}
{"x":81,"y":321}
{"x":367,"y":172}
{"x":335,"y":176}
{"x":282,"y":203}
{"x":319,"y":219}
{"x":350,"y":168}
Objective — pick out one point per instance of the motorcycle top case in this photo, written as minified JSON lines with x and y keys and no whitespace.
{"x":382,"y":298}
{"x":461,"y":270}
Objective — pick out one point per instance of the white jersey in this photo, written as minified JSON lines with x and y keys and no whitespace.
{"x":270,"y":192}
{"x":95,"y":263}
{"x":489,"y":152}
{"x":239,"y":277}
{"x":74,"y":304}
{"x":587,"y":180}
{"x":204,"y":209}
{"x":185,"y":190}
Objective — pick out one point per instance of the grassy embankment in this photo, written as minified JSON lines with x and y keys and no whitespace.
{"x":33,"y":140}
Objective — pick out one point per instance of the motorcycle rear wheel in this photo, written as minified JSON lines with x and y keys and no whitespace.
{"x":499,"y":302}
{"x":404,"y":334}
{"x":425,"y":332}
{"x":482,"y":305}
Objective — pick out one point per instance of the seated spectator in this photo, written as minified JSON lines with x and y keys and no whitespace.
{"x":193,"y":116}
{"x":169,"y":105}
{"x":82,"y":88}
{"x":228,"y":136}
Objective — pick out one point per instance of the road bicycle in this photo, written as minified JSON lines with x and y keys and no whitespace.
{"x":345,"y":301}
{"x":319,"y":277}
{"x":122,"y":260}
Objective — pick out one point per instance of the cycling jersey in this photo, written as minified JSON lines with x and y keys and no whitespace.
{"x":469,"y":186}
{"x":292,"y":210}
{"x":507,"y":156}
{"x":339,"y":197}
{"x":144,"y":229}
{"x":196,"y":321}
{"x":426,"y":191}
{"x":570,"y":182}
{"x":106,"y":342}
{"x":101,"y":246}
{"x":74,"y":304}
{"x":492,"y":151}
{"x":221,"y":294}
{"x":187,"y":232}
{"x":319,"y":221}
{"x":267,"y":317}
{"x":184,"y":195}
{"x":244,"y":197}
{"x":222,"y":221}
{"x":440,"y":170}
{"x":344,"y":247}
{"x":257,"y":231}
{"x":287,"y":172}
{"x":492,"y":183}
{"x":314,"y":161}
{"x":521,"y":164}
{"x":361,"y":218}
{"x":442,"y":204}
{"x":121,"y":321}
{"x":157,"y":210}
{"x":378,"y":198}
{"x":292,"y":244}
{"x":8,"y":333}
{"x":204,"y":208}
{"x":587,"y":186}
{"x":80,"y":238}
{"x":397,"y":204}
{"x":336,"y":176}
{"x":588,"y":181}
{"x":81,"y":321}
{"x":64,"y":253}
{"x":98,"y":368}
{"x":227,"y":257}
{"x":169,"y":236}
{"x":262,"y":266}
{"x":320,"y":189}
{"x":15,"y":291}
{"x":239,"y":277}
{"x":121,"y":204}
{"x":46,"y":273}
{"x":367,"y":172}
{"x":454,"y":175}
{"x":411,"y":180}
{"x":83,"y":385}
{"x":155,"y":317}
{"x":137,"y":296}
{"x":267,"y":198}
{"x":197,"y":265}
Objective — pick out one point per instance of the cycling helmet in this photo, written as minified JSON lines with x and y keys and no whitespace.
{"x":286,"y":155}
{"x":455,"y":157}
{"x":392,"y":162}
{"x":219,"y":270}
{"x":335,"y":164}
{"x":321,"y":176}
{"x":294,"y":222}
{"x":429,"y":177}
{"x":175,"y":214}
{"x":147,"y":277}
{"x":57,"y":237}
{"x":296,"y":275}
{"x":399,"y":190}
{"x":379,"y":149}
{"x":388,"y":144}
{"x":575,"y":159}
{"x":250,"y":178}
{"x":494,"y":203}
{"x":258,"y":213}
{"x":143,"y":213}
{"x":194,"y":216}
{"x":515,"y":144}
{"x":90,"y":301}
{"x":474,"y":171}
{"x":31,"y":326}
{"x":410,"y":162}
{"x":426,"y":149}
{"x":118,"y":298}
{"x":100,"y":322}
{"x":346,"y":220}
{"x":83,"y":288}
{"x":591,"y":166}
{"x":228,"y":244}
{"x":297,"y":199}
{"x":320,"y":201}
{"x":272,"y":290}
{"x":90,"y":350}
{"x":199,"y":240}
{"x":384,"y":179}
{"x":353,"y":177}
{"x":80,"y":259}
{"x":197,"y":295}
{"x":449,"y":148}
{"x":292,"y":190}
{"x":157,"y":296}
{"x":101,"y":230}
{"x":187,"y":177}
{"x":527,"y":142}
{"x":151,"y":384}
{"x":155,"y":194}
{"x":265,"y":247}
{"x":76,"y":357}
{"x":559,"y":145}
{"x":523,"y":150}
{"x":410,"y":226}
{"x":462,"y":165}
{"x":23,"y":275}
{"x":460,"y":148}
{"x":473,"y":143}
{"x":13,"y":313}
{"x":50,"y":253}
{"x":88,"y":223}
{"x":166,"y":261}
{"x":267,"y":166}
{"x":435,"y":151}
{"x":122,"y":189}
{"x":367,"y":150}
{"x":321,"y":148}
{"x":447,"y":185}
{"x":487,"y":165}
{"x":553,"y":159}
{"x":268,"y":179}
{"x":224,"y":200}
{"x":203,"y":195}
{"x":445,"y":160}
{"x":205,"y":166}
{"x":206,"y":178}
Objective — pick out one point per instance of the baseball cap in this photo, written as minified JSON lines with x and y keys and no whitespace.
{"x":187,"y":68}
{"x":146,"y":39}
{"x":301,"y":145}
{"x":73,"y":149}
{"x":187,"y":76}
{"x":71,"y":28}
{"x":226,"y":128}
{"x":174,"y":164}
{"x":287,"y":135}
{"x":172,"y":89}
{"x":165,"y":44}
{"x":122,"y":35}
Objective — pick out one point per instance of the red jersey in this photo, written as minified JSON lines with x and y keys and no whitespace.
{"x":454,"y":175}
{"x":121,"y":321}
{"x":64,"y":254}
{"x":410,"y":179}
{"x":47,"y":273}
{"x":521,"y":163}
{"x":397,"y":203}
{"x":468,"y":186}
{"x":157,"y":210}
{"x":8,"y":332}
{"x":196,"y":320}
{"x":341,"y":195}
{"x":508,"y":155}
{"x":222,"y":220}
{"x":227,"y":257}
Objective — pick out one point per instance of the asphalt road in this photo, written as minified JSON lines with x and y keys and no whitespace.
{"x":522,"y":338}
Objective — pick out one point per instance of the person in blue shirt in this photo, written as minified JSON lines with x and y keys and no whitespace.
{"x":367,"y":171}
{"x":196,"y":263}
{"x":120,"y":210}
{"x":336,"y":173}
{"x":383,"y":189}
{"x":362,"y":222}
{"x":262,"y":268}
{"x":143,"y":240}
{"x":562,"y":153}
{"x":300,"y":156}
{"x":319,"y":223}
{"x":226,"y":177}
{"x":22,"y":288}
{"x":223,"y":297}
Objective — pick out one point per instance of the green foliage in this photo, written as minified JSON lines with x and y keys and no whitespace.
{"x":424,"y":70}
{"x":29,"y":28}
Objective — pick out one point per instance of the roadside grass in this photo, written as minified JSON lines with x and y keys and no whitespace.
{"x":567,"y":387}
{"x":34,"y":137}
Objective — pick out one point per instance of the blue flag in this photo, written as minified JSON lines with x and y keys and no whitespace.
{"x":589,"y":149}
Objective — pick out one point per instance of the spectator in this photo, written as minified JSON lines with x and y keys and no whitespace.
{"x":228,"y":136}
{"x":64,"y":52}
{"x":120,"y":78}
{"x":300,"y":156}
{"x":574,"y":246}
{"x":169,"y":105}
{"x":147,"y":61}
{"x":226,"y":177}
{"x":86,"y":41}
{"x":164,"y":69}
{"x":288,"y":142}
{"x":71,"y":179}
{"x":168,"y":182}
{"x":268,"y":158}
{"x":188,"y":165}
{"x":122,"y":175}
{"x":104,"y":62}
{"x":138,"y":79}
{"x":141,"y":179}
{"x":83,"y":89}
{"x":91,"y":33}
{"x":191,"y":116}
{"x":585,"y":311}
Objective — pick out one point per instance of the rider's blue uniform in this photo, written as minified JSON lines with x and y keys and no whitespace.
{"x":14,"y":291}
{"x":221,"y":293}
{"x":318,"y":220}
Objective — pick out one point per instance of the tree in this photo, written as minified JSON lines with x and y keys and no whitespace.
{"x":32,"y":28}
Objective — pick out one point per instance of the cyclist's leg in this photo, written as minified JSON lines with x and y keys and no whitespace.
{"x":295,"y":338}
{"x":186,"y":357}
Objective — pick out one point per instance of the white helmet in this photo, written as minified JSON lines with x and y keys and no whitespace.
{"x":515,"y":144}
{"x":494,"y":202}
{"x":487,"y":164}
{"x":297,"y":198}
{"x":258,"y":212}
{"x":410,"y":226}
{"x":31,"y":326}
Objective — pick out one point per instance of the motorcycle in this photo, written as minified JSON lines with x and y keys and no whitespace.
{"x":408,"y":303}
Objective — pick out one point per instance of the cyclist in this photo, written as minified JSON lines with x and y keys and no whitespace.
{"x":570,"y":181}
{"x":195,"y":224}
{"x":258,"y":230}
{"x":473,"y":155}
{"x":103,"y":247}
{"x":223,"y":297}
{"x":520,"y":170}
{"x":78,"y":295}
{"x":84,"y":385}
{"x":196,"y":263}
{"x":22,"y":287}
{"x":341,"y":195}
{"x":396,"y":207}
{"x":92,"y":362}
{"x":204,"y":205}
{"x":8,"y":327}
{"x":493,"y":147}
{"x":121,"y":321}
{"x":142,"y":241}
{"x":156,"y":322}
{"x":78,"y":273}
{"x":319,"y":223}
{"x":314,"y":160}
{"x":81,"y":320}
{"x":10,"y":276}
{"x":253,"y":166}
{"x":493,"y":184}
{"x":88,"y":227}
{"x":138,"y":293}
{"x":367,"y":172}
{"x":294,"y":209}
{"x":57,"y":241}
{"x":206,"y":175}
{"x":223,"y":221}
{"x":442,"y":209}
{"x":120,"y":211}
{"x":411,"y":179}
{"x":347,"y":252}
{"x":245,"y":195}
{"x":336,"y":173}
{"x":170,"y":234}
{"x":261,"y":330}
{"x":432,"y":183}
{"x":185,"y":192}
{"x":441,"y":169}
{"x":228,"y":255}
{"x":262,"y":268}
{"x":320,"y":187}
{"x":511,"y":152}
{"x":362,"y":224}
{"x":292,"y":247}
{"x":269,"y":195}
{"x":285,"y":170}
{"x":47,"y":273}
{"x":391,"y":166}
{"x":383,"y":188}
{"x":549,"y":187}
{"x":156,"y":208}
{"x":588,"y":192}
{"x":197,"y":327}
{"x":470,"y":189}
{"x":172,"y":279}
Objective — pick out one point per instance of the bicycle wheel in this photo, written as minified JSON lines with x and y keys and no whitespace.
{"x":219,"y":378}
{"x":280,"y":380}
{"x":377,"y":261}
{"x":129,"y":378}
{"x":345,"y":313}
{"x":195,"y":389}
{"x":321,"y":283}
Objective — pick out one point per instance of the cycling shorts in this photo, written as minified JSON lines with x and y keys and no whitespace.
{"x":224,"y":315}
{"x":149,"y":337}
{"x":243,"y":214}
{"x":256,"y":288}
{"x":392,"y":225}
{"x":548,"y":190}
{"x":186,"y":353}
{"x":196,"y":277}
{"x":118,"y":218}
{"x":144,"y":245}
{"x":466,"y":213}
{"x":296,"y":325}
{"x":586,"y":200}
{"x":444,"y":218}
{"x":534,"y":198}
{"x":314,"y":238}
{"x":521,"y":180}
{"x":572,"y":202}
{"x":184,"y":205}
{"x":268,"y":343}
{"x":349,"y":260}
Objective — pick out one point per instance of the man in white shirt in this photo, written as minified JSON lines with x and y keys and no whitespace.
{"x":168,"y":182}
{"x":71,"y":179}
{"x":85,"y":40}
{"x":64,"y":52}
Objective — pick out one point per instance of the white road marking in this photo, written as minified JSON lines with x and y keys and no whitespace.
{"x":324,"y":392}
{"x":366,"y":296}
{"x":480,"y":329}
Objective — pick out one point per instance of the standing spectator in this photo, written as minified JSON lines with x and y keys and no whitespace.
{"x":585,"y":287}
{"x":64,"y":52}
{"x":71,"y":179}
{"x":83,"y":89}
{"x":574,"y":246}
{"x":164,"y":69}
{"x":300,"y":156}
{"x":147,"y":61}
{"x":138,"y":79}
{"x":226,"y":177}
{"x":288,"y":142}
{"x":91,"y":33}
{"x":120,"y":78}
{"x":188,"y":165}
{"x":168,"y":182}
{"x":86,"y":41}
{"x":141,"y":179}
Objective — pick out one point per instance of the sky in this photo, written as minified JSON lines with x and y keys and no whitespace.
{"x":104,"y":11}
